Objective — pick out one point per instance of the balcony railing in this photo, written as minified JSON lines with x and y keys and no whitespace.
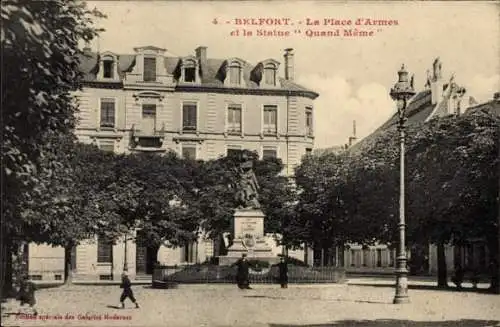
{"x":148,"y":139}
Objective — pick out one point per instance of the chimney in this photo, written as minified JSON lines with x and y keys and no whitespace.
{"x":352,"y":139}
{"x":201,"y":54}
{"x":289,"y":64}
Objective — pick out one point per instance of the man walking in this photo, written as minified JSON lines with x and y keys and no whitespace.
{"x":242,"y":277}
{"x":127,"y":291}
{"x":283,"y":272}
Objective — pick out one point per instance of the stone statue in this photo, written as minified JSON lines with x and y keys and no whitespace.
{"x":247,"y":186}
{"x":437,"y":69}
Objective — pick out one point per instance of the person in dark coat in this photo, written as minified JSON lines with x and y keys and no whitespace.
{"x":127,"y":290}
{"x":283,"y":273}
{"x":458,"y":276}
{"x":27,"y":294}
{"x":242,"y":276}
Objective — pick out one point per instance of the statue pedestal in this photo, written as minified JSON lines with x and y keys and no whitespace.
{"x":248,"y":238}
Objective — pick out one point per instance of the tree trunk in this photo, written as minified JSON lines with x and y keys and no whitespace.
{"x":68,"y":271}
{"x":306,"y":254}
{"x":494,"y":267}
{"x":441,"y":262}
{"x":6,"y":268}
{"x":217,"y":242}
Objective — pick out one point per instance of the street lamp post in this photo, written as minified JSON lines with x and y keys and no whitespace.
{"x":401,"y":92}
{"x":125,"y":259}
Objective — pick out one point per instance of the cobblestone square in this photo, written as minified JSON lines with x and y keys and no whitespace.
{"x":264,"y":305}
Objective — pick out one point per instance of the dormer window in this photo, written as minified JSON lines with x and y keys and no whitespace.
{"x":189,"y":74}
{"x":270,"y":76}
{"x":235,"y":74}
{"x":189,"y":70}
{"x":108,"y":66}
{"x":269,"y":70}
{"x":149,"y":69}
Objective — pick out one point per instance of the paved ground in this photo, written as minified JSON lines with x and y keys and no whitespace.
{"x":363,"y":302}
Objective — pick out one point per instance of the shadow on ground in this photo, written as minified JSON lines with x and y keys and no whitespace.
{"x":431,"y":288}
{"x":400,"y":323}
{"x":320,"y":299}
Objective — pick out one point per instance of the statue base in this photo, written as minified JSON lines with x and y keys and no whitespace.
{"x":249,"y":238}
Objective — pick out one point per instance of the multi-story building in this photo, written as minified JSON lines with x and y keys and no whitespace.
{"x":199,"y":107}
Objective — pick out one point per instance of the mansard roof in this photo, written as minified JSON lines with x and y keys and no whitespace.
{"x":418,"y":111}
{"x":211,"y":74}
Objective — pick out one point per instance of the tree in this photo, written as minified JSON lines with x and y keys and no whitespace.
{"x":452,"y":175}
{"x":152,"y":193}
{"x":456,"y":159}
{"x":40,"y":46}
{"x":340,"y":198}
{"x":63,"y":206}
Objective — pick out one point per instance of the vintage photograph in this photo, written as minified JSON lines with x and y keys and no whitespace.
{"x":250,"y":163}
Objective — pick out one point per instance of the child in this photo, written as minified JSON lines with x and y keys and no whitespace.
{"x":27,"y":294}
{"x":127,"y":290}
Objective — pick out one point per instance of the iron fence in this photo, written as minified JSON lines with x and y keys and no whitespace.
{"x":227,"y":274}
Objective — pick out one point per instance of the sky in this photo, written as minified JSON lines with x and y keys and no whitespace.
{"x":353,"y":75}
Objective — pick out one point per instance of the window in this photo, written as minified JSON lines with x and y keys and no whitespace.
{"x":234,"y":118}
{"x":189,"y":119}
{"x":269,"y":153}
{"x":270,"y":119}
{"x":189,"y":152}
{"x":233,"y":152}
{"x":148,"y":110}
{"x":107,"y":113}
{"x":189,"y":74}
{"x":270,"y":76}
{"x":235,"y":74}
{"x":107,"y":68}
{"x":309,"y":121}
{"x":309,"y":151}
{"x":107,"y":145}
{"x":104,"y":250}
{"x":148,"y":118}
{"x":149,"y":69}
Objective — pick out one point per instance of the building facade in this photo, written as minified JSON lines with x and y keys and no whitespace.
{"x":199,"y":107}
{"x":196,"y":106}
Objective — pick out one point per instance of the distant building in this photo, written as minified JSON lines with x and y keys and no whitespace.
{"x":339,"y":148}
{"x":197,"y":106}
